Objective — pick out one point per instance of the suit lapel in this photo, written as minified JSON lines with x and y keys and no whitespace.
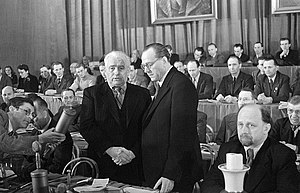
{"x":276,"y":84}
{"x":200,"y":80}
{"x":258,"y":167}
{"x":130,"y":101}
{"x":108,"y":97}
{"x":238,"y":82}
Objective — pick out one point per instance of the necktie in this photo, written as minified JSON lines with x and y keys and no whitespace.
{"x":233,"y":85}
{"x":295,"y":129}
{"x":271,"y":84}
{"x":58,"y":81}
{"x":157,"y":87}
{"x":195,"y":82}
{"x":119,"y":95}
{"x":250,"y":156}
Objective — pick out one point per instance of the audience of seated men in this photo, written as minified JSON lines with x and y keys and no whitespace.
{"x":286,"y":130}
{"x":101,"y":77}
{"x":232,"y":84}
{"x":54,"y":157}
{"x":272,"y":164}
{"x":199,"y":55}
{"x":273,"y":86}
{"x":136,"y":77}
{"x":260,"y":71}
{"x":228,"y":131}
{"x":4,"y":80}
{"x":45,"y":78}
{"x":214,"y":59}
{"x":258,"y":49}
{"x":239,"y":52}
{"x":286,"y":56}
{"x":61,"y":82}
{"x":20,"y":114}
{"x":68,"y":100}
{"x":83,"y":79}
{"x":12,"y":75}
{"x":27,"y":81}
{"x":203,"y":82}
{"x":180,"y":67}
{"x":173,"y":56}
{"x":135,"y":59}
{"x":7,"y":93}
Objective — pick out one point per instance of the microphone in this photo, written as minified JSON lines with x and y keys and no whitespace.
{"x":66,"y":118}
{"x":37,"y":147}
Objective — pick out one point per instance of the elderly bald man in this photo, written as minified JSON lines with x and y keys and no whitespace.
{"x":7,"y":93}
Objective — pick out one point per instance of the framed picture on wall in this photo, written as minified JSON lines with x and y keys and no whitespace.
{"x":175,"y":11}
{"x":285,"y":6}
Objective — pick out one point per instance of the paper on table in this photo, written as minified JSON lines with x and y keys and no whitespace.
{"x":138,"y":190}
{"x":100,"y":182}
{"x":87,"y":188}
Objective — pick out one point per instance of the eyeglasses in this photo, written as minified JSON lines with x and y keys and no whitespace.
{"x":291,"y":111}
{"x":149,"y":64}
{"x":28,"y":112}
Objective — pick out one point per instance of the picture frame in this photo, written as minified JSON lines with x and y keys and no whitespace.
{"x":285,"y":6}
{"x":176,"y":11}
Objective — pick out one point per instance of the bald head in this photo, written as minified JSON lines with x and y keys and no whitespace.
{"x":7,"y":93}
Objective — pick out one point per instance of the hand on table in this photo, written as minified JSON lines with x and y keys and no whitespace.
{"x":165,"y":184}
{"x":220,"y":97}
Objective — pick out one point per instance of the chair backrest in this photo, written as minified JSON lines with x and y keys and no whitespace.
{"x":75,"y":151}
{"x":73,"y":164}
{"x":205,"y":148}
{"x":210,"y":134}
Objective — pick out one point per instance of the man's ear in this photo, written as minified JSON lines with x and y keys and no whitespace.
{"x":12,"y":108}
{"x":267,"y":128}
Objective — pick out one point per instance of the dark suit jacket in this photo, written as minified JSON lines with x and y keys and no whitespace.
{"x":29,"y":84}
{"x":243,"y":81}
{"x":292,"y":59}
{"x":102,"y":127}
{"x":170,"y":147}
{"x":5,"y":81}
{"x":174,"y":58}
{"x":273,"y":169}
{"x":243,"y":58}
{"x":55,"y":161}
{"x":228,"y":129}
{"x":205,"y":86}
{"x":12,"y":143}
{"x":282,"y":131}
{"x":66,"y":82}
{"x":75,"y":122}
{"x":45,"y":82}
{"x":296,"y":88}
{"x":137,"y":63}
{"x":218,"y":61}
{"x":281,"y":87}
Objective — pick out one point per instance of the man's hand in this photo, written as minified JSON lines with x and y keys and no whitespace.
{"x":166,"y":185}
{"x":50,"y":136}
{"x":120,"y":155}
{"x":283,"y":53}
{"x":220,"y":97}
{"x":230,"y":99}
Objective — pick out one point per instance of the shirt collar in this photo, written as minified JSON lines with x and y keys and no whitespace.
{"x":123,"y":87}
{"x":255,"y":150}
{"x":273,"y":79}
{"x":10,"y":127}
{"x":197,"y":77}
{"x":164,"y":77}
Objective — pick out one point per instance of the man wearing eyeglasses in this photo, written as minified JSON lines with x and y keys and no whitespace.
{"x":286,"y":130}
{"x":111,"y":121}
{"x":21,"y":113}
{"x":170,"y":145}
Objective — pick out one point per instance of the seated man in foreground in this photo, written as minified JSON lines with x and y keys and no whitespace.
{"x":228,"y":131}
{"x":273,"y":86}
{"x":232,"y":84}
{"x":272,"y":165}
{"x":286,"y":130}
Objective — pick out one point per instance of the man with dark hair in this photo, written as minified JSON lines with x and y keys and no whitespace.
{"x":45,"y":78}
{"x":173,"y":56}
{"x":54,"y":157}
{"x":286,"y":130}
{"x":272,"y":164}
{"x":170,"y":146}
{"x":228,"y":129}
{"x":239,"y":52}
{"x":199,"y":55}
{"x":61,"y":82}
{"x":260,"y":71}
{"x":27,"y":82}
{"x":83,"y":79}
{"x":273,"y":86}
{"x":111,"y":121}
{"x":232,"y":84}
{"x":258,"y":49}
{"x":286,"y":56}
{"x":203,"y":82}
{"x":21,"y":112}
{"x":135,"y":59}
{"x":214,"y":59}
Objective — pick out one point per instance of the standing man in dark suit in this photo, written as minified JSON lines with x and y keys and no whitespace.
{"x":286,"y":130}
{"x":170,"y":146}
{"x":272,"y":164}
{"x":62,"y":81}
{"x":272,"y":87}
{"x":286,"y":56}
{"x":111,"y":121}
{"x":203,"y":82}
{"x":232,"y":84}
